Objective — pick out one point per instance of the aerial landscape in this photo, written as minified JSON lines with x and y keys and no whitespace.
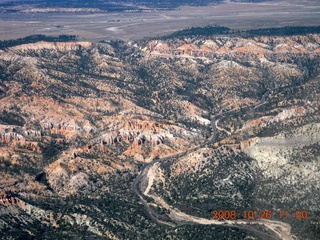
{"x":156,"y":120}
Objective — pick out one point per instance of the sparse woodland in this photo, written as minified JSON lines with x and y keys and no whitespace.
{"x":79,"y":120}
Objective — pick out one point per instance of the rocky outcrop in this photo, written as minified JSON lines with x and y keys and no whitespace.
{"x":94,"y":113}
{"x":8,"y":199}
{"x":261,"y":47}
{"x":10,"y":137}
{"x":58,"y":46}
{"x":144,"y":136}
{"x":136,"y":138}
{"x":247,"y":143}
{"x":66,"y":129}
{"x":33,"y":133}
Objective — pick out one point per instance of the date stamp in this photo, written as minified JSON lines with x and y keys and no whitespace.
{"x":256,"y":215}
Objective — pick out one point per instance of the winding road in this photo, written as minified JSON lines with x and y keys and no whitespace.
{"x":175,"y":217}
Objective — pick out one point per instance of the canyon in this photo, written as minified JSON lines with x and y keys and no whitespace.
{"x":132,"y":139}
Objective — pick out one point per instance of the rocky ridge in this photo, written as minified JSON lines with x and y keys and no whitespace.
{"x":78,"y":120}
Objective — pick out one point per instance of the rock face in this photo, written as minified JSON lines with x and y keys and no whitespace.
{"x":229,"y":118}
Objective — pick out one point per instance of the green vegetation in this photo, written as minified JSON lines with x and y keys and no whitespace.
{"x":282,"y":31}
{"x":199,"y":31}
{"x":219,"y":30}
{"x":11,"y":118}
{"x":36,"y":38}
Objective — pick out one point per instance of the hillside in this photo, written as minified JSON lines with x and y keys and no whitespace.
{"x":140,"y":140}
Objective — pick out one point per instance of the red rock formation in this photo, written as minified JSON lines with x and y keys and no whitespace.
{"x":247,"y":143}
{"x":7,"y":199}
{"x":11,"y":137}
